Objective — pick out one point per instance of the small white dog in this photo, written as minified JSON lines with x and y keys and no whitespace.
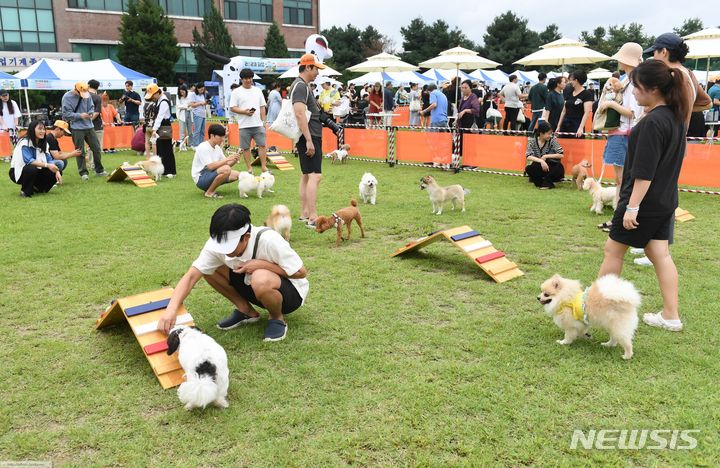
{"x":368,"y":188}
{"x":609,"y":303}
{"x":248,"y":182}
{"x":182,"y":144}
{"x":205,"y":364}
{"x":339,"y":154}
{"x":601,"y":195}
{"x":153,"y":167}
{"x":280,"y":220}
{"x":439,"y":195}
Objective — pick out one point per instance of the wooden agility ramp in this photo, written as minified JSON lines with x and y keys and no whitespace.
{"x":491,"y":260}
{"x":683,"y":215}
{"x":134,"y":173}
{"x":276,"y":160}
{"x":142,"y":313}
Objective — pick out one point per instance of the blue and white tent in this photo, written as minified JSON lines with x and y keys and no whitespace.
{"x":8,"y":81}
{"x":397,"y":78}
{"x":59,"y":74}
{"x":437,"y":74}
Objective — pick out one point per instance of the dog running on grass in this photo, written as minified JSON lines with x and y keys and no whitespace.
{"x":339,"y":219}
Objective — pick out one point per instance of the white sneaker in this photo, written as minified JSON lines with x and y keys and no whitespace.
{"x":644,"y":261}
{"x":170,"y":176}
{"x":656,"y":320}
{"x":84,"y":177}
{"x":636,"y":251}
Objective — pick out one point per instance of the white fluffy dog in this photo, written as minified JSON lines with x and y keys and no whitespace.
{"x":609,"y":303}
{"x":601,"y":195}
{"x":153,"y":167}
{"x":248,"y":182}
{"x":368,"y":188}
{"x":280,"y":220}
{"x":205,"y":364}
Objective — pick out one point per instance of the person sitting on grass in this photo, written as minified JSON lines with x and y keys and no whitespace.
{"x":250,"y":266}
{"x":543,"y":156}
{"x":32,"y":165}
{"x":210,"y":167}
{"x":59,"y":129}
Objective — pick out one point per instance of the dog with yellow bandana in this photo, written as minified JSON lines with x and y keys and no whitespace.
{"x":609,"y":303}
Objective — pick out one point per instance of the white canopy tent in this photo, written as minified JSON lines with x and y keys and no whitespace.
{"x":294,"y":71}
{"x":59,"y":74}
{"x":397,"y":78}
{"x":704,"y":44}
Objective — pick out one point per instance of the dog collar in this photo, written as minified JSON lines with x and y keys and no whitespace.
{"x":338,"y":220}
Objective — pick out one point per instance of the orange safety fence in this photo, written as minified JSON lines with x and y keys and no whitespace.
{"x":368,"y":143}
{"x":434,"y":147}
{"x":6,"y":148}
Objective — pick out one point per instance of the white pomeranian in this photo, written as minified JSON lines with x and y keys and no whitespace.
{"x":205,"y":364}
{"x":601,"y":195}
{"x":609,"y":303}
{"x":280,"y":220}
{"x":368,"y":188}
{"x":153,"y":166}
{"x":248,"y":182}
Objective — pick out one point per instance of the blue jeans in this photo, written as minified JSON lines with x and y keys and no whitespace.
{"x":199,"y":130}
{"x":439,"y":123}
{"x":536,"y":115}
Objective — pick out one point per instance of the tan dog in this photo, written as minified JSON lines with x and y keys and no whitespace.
{"x":280,"y":220}
{"x":152,"y":166}
{"x":609,"y":303}
{"x":580,"y":173}
{"x":339,"y":219}
{"x":340,"y":154}
{"x":601,"y":195}
{"x":440,"y":195}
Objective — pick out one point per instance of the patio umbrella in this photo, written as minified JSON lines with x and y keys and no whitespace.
{"x":599,"y":74}
{"x":704,"y":44}
{"x":294,"y":72}
{"x":562,"y":52}
{"x":459,"y":58}
{"x":383,"y":62}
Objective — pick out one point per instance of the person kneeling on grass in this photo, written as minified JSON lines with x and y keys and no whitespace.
{"x":249,"y":266}
{"x":210,"y":167}
{"x":543,"y":157}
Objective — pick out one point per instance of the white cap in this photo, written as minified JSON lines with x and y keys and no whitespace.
{"x":232,"y":239}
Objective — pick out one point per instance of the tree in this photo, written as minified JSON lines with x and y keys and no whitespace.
{"x":595,"y":40}
{"x":508,"y":39}
{"x":374,"y":42}
{"x":689,"y":26}
{"x":422,"y":41}
{"x":551,"y":33}
{"x":215,"y":38}
{"x":275,"y":45}
{"x":148,"y":42}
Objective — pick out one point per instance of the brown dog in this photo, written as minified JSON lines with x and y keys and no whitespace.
{"x":340,"y":218}
{"x":580,"y":173}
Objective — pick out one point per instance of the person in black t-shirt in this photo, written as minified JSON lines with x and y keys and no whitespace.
{"x":578,"y":105}
{"x":59,"y":129}
{"x":645,"y":213}
{"x":132,"y":103}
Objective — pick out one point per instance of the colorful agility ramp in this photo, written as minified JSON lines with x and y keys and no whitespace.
{"x":276,"y":160}
{"x":142,"y":313}
{"x":134,"y":173}
{"x":491,"y":260}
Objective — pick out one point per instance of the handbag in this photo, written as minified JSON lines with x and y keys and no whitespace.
{"x":164,"y":132}
{"x":286,"y":124}
{"x":520,"y":117}
{"x":415,"y":105}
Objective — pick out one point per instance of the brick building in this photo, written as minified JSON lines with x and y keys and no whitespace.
{"x":90,"y":27}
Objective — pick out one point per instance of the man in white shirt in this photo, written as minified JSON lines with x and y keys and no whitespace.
{"x":210,"y":167}
{"x":248,"y":265}
{"x":249,"y":104}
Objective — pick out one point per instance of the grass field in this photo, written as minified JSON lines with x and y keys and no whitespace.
{"x":407,"y":361}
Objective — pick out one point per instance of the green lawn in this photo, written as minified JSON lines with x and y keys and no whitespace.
{"x":394,"y":361}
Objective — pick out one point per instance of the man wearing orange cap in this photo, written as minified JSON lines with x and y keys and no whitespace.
{"x":59,"y":129}
{"x":78,"y":109}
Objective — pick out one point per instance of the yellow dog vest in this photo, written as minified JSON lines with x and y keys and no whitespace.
{"x":576,"y":306}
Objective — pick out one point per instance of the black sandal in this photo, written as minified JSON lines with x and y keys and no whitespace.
{"x":606,"y":225}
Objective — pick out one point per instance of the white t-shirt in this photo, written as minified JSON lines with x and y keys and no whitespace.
{"x":204,"y":155}
{"x":8,"y":120}
{"x":512,"y":93}
{"x":273,"y":248}
{"x":247,"y":98}
{"x":629,"y":101}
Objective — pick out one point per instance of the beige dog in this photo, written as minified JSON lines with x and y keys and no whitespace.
{"x":601,"y":195}
{"x":609,"y":303}
{"x":280,"y":220}
{"x":440,"y":195}
{"x":339,"y":154}
{"x":580,"y":173}
{"x":152,"y":166}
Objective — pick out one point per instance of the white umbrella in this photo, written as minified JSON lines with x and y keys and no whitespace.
{"x":294,"y":71}
{"x":704,"y":44}
{"x":395,"y":77}
{"x":599,"y":74}
{"x":562,"y":52}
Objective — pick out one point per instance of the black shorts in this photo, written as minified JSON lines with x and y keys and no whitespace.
{"x":291,"y":299}
{"x":313,"y":164}
{"x":649,"y":228}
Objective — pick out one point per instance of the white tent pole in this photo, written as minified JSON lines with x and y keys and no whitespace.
{"x":707,"y":73}
{"x":27,"y":103}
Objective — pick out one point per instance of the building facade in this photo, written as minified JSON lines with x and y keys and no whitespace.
{"x":90,"y":27}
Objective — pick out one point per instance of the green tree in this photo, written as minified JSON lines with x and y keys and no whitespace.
{"x":215,"y":38}
{"x":594,"y":40}
{"x":608,"y":41}
{"x":148,"y":42}
{"x":550,"y":34}
{"x":422,"y":41}
{"x":275,"y":45}
{"x":689,"y":26}
{"x":374,"y":42}
{"x":508,"y":39}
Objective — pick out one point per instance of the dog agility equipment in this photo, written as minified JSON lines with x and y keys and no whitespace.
{"x":134,"y":173}
{"x":683,"y":215}
{"x":142,"y":313}
{"x":488,"y":258}
{"x":276,"y":160}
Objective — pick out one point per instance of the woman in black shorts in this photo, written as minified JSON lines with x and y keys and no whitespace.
{"x":645,"y":213}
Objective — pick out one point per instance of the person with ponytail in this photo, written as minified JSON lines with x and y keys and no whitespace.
{"x":543,"y":156}
{"x":645,"y":214}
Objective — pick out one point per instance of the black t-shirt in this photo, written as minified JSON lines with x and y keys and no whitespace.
{"x":554,"y":104}
{"x":655,"y":152}
{"x":130,"y":107}
{"x":97,"y":102}
{"x":53,"y":144}
{"x":575,"y":105}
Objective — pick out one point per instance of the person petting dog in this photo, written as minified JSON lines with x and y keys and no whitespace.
{"x":645,"y":214}
{"x":249,"y":106}
{"x":543,"y":156}
{"x":250,"y":266}
{"x":210,"y":167}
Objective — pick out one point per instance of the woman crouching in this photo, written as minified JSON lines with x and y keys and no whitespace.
{"x":32,"y":166}
{"x":543,"y":156}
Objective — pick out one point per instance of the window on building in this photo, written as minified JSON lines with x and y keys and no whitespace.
{"x":27,"y":25}
{"x":195,"y":8}
{"x":101,"y":5}
{"x":90,"y":52}
{"x":297,"y":12}
{"x":249,"y":10}
{"x":251,"y":53}
{"x":186,"y":66}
